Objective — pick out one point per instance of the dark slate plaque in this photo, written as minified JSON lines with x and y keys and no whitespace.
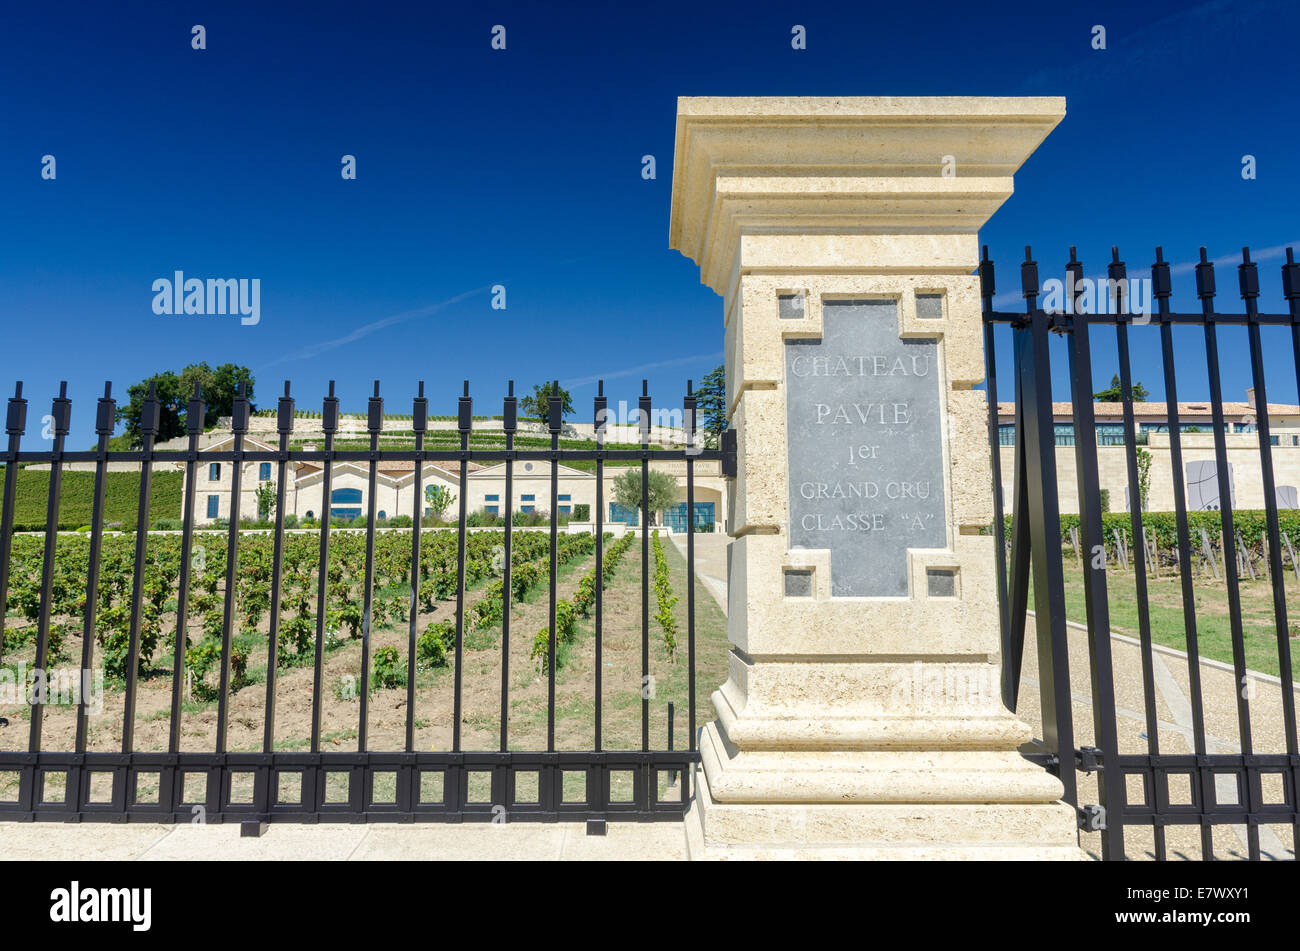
{"x":866,"y":452}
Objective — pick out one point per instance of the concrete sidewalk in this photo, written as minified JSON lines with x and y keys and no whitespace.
{"x":332,"y":842}
{"x":710,"y":562}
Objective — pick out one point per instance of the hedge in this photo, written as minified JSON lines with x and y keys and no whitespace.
{"x":1162,"y":528}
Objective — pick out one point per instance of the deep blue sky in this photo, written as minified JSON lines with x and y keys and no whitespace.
{"x":522,"y":167}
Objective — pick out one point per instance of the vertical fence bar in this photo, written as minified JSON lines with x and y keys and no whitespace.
{"x":1161,"y":290}
{"x":15,"y":424}
{"x":284,"y":426}
{"x":1042,"y":513}
{"x":643,"y":420}
{"x":1013,"y":589}
{"x":1248,"y":276}
{"x":238,"y":426}
{"x":1205,"y":291}
{"x":329,"y":426}
{"x":1117,"y":272}
{"x":1291,"y":291}
{"x":149,"y":423}
{"x":464,"y":423}
{"x":375,"y":424}
{"x":1019,"y":577}
{"x":601,"y":414}
{"x":509,"y":423}
{"x":987,"y":285}
{"x":195,"y":414}
{"x":1110,"y":784}
{"x":60,"y":413}
{"x":105,"y":419}
{"x":419,"y":424}
{"x":554,"y":411}
{"x":688,"y":421}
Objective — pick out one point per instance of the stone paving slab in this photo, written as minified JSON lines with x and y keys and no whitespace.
{"x":1171,"y":679}
{"x":710,"y":562}
{"x":333,"y":842}
{"x":77,"y":842}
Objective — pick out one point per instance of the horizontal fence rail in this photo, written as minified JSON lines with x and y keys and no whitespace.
{"x":324,"y":783}
{"x":1223,"y":785}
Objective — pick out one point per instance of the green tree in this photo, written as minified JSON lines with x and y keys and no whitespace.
{"x":439,"y":499}
{"x":536,"y":404}
{"x":711,"y":406}
{"x":663,"y":489}
{"x":174,"y":390}
{"x":265,"y":495}
{"x":1115,"y":393}
{"x":1144,"y":478}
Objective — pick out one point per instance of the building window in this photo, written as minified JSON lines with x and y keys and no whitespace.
{"x":1007,"y":434}
{"x":1064,"y":433}
{"x":264,"y":472}
{"x":213,"y":503}
{"x":675,"y":517}
{"x":1110,"y":434}
{"x":383,"y":514}
{"x":345,"y":503}
{"x":619,"y":514}
{"x":492,"y":509}
{"x":491,"y":498}
{"x":564,"y":498}
{"x":214,"y":472}
{"x":527,"y":498}
{"x":527,"y":508}
{"x":565,"y":509}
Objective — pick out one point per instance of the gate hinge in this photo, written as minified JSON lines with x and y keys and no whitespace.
{"x":1088,"y":759}
{"x":729,"y":453}
{"x":1049,"y":761}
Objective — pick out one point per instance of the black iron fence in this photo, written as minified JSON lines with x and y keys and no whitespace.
{"x":323,"y":783}
{"x":1144,"y":781}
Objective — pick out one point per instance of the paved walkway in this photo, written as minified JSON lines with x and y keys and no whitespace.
{"x":650,"y":841}
{"x":1171,"y":680}
{"x":710,"y":563}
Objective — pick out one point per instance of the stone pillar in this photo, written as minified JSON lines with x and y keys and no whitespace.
{"x":862,"y":717}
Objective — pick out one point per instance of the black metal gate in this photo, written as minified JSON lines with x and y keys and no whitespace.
{"x":320,"y":784}
{"x":1158,"y":789}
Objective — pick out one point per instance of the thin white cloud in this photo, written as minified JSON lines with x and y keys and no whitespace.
{"x":315,"y":349}
{"x":633,"y":371}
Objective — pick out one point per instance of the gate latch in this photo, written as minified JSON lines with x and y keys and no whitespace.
{"x":729,"y":453}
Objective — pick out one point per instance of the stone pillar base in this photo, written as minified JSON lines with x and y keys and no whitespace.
{"x":837,"y":805}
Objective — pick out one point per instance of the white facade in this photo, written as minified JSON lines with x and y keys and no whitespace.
{"x":395,"y":488}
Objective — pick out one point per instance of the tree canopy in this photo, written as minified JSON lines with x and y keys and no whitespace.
{"x":1115,"y":392}
{"x":536,"y":403}
{"x":663,"y":489}
{"x":711,"y":406}
{"x":174,"y":390}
